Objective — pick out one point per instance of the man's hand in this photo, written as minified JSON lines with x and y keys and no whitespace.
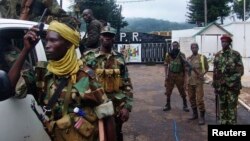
{"x":123,"y":114}
{"x":31,"y":38}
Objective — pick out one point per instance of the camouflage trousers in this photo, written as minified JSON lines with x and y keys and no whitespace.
{"x":228,"y":100}
{"x":196,"y":96}
{"x":172,"y":80}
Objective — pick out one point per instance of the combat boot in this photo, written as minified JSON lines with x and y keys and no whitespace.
{"x":167,"y":107}
{"x":195,"y":114}
{"x":202,"y":118}
{"x":185,"y":107}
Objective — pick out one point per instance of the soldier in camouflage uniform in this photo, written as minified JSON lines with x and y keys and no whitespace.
{"x":111,"y":71}
{"x":9,"y":54}
{"x":195,"y":83}
{"x":93,"y":29}
{"x":175,"y":75}
{"x":228,"y":69}
{"x":80,"y":90}
{"x":32,"y":10}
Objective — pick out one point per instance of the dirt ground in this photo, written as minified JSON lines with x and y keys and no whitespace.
{"x":148,"y":122}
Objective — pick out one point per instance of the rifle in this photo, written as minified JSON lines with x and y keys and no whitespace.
{"x":42,"y":117}
{"x":190,"y":66}
{"x":217,"y":111}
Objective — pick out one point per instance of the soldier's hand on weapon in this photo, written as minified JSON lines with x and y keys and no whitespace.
{"x":31,"y":38}
{"x":123,"y":114}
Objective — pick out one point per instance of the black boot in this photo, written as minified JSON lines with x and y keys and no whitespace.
{"x":202,"y":118}
{"x":185,"y":107}
{"x":195,"y":114}
{"x":167,"y":107}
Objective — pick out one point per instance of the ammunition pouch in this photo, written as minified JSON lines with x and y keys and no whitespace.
{"x":83,"y":127}
{"x":110,"y":79}
{"x":64,"y":122}
{"x":90,"y":114}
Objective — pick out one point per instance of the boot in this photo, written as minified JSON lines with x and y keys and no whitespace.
{"x":185,"y":107}
{"x":202,"y":118}
{"x":195,"y":114}
{"x":167,"y":107}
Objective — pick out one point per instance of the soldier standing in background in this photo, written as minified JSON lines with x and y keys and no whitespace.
{"x":175,"y":75}
{"x":111,"y":71}
{"x":93,"y":29}
{"x":228,"y":69}
{"x":195,"y":83}
{"x":10,"y":8}
{"x":32,"y":10}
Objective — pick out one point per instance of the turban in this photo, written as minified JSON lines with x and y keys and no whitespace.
{"x":66,"y":32}
{"x":68,"y":65}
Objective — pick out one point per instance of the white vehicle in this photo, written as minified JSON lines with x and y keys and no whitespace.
{"x":18,"y":121}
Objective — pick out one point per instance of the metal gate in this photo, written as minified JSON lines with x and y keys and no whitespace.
{"x":151,"y":52}
{"x":142,"y":47}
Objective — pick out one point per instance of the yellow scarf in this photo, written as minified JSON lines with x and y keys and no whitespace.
{"x":68,"y":65}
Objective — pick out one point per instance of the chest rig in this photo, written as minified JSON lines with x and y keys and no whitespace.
{"x":109,"y":75}
{"x":176,"y":65}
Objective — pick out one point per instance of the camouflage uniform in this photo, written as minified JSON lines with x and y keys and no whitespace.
{"x":8,"y":8}
{"x":8,"y":55}
{"x":195,"y":84}
{"x":86,"y":93}
{"x":92,"y":35}
{"x":175,"y":78}
{"x":121,"y":97}
{"x":228,"y":69}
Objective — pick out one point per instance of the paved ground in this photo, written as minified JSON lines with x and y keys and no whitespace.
{"x":149,"y":123}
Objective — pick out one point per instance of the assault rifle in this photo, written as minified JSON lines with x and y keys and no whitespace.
{"x":189,"y":66}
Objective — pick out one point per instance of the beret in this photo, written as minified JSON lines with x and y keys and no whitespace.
{"x":226,"y":38}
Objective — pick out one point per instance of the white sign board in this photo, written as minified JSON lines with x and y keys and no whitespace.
{"x":131,"y":52}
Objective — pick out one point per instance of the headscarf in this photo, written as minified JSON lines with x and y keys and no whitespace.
{"x":68,"y":65}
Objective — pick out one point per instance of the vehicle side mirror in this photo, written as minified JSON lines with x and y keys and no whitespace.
{"x":5,"y":86}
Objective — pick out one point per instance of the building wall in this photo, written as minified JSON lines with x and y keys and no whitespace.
{"x":240,"y":43}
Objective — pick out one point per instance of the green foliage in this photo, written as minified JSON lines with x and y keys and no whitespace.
{"x":196,"y":11}
{"x":239,"y":9}
{"x":147,"y":25}
{"x":215,"y":9}
{"x":105,"y":10}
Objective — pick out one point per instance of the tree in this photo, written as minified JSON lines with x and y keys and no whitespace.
{"x":215,"y":9}
{"x":106,"y":10}
{"x":196,"y":12}
{"x":239,"y":9}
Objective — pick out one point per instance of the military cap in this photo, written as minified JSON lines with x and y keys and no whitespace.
{"x":108,"y":29}
{"x":226,"y":37}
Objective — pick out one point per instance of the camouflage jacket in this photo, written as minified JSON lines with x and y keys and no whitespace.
{"x":228,"y":69}
{"x":86,"y":93}
{"x":93,"y":34}
{"x":97,"y":60}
